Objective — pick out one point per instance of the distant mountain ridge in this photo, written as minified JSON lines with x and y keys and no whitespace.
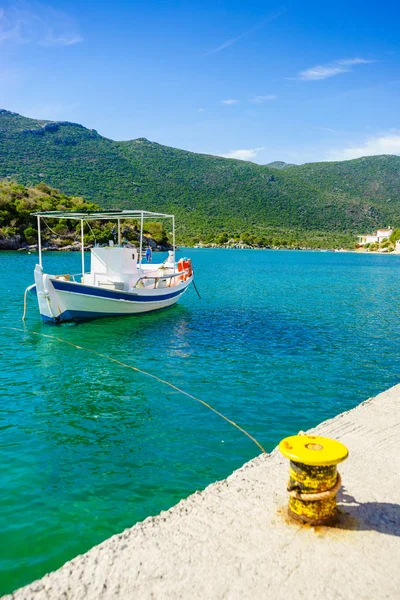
{"x":211,"y":196}
{"x":279,"y":164}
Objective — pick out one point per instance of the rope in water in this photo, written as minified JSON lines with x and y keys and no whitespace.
{"x":25,"y":294}
{"x":171,"y":385}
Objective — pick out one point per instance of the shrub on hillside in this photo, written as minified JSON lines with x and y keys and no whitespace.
{"x":395,"y":237}
{"x":31,"y":235}
{"x":61,"y":229}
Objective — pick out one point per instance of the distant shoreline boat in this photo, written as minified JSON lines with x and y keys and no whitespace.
{"x":118,"y":282}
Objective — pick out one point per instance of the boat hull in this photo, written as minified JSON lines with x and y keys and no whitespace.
{"x":61,"y":301}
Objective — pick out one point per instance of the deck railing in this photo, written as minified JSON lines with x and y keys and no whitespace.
{"x":158,"y":277}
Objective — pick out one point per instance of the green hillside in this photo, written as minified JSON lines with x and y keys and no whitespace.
{"x":374,"y":177}
{"x":318,"y":204}
{"x":18,"y":227}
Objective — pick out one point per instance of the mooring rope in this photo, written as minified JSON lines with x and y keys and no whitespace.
{"x":25,"y":294}
{"x":49,"y":228}
{"x":171,"y":385}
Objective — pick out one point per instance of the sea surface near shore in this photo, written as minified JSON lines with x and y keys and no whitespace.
{"x":279,"y":342}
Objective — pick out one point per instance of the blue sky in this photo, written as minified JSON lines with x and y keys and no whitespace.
{"x":262,"y":81}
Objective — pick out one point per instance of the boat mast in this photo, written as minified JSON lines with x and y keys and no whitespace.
{"x":141,"y":238}
{"x":119,"y":232}
{"x":39,"y":242}
{"x":83,"y":249}
{"x":173,"y":238}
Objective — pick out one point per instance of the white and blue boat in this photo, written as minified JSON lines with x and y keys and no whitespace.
{"x":119,"y":282}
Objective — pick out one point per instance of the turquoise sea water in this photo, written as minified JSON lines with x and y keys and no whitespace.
{"x":279,"y":341}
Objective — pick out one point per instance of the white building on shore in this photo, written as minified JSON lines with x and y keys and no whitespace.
{"x":378,"y":237}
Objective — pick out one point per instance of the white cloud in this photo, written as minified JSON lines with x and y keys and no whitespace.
{"x":243,"y":154}
{"x":200,"y":110}
{"x":53,"y":39}
{"x":232,"y":41}
{"x":331,"y":69}
{"x":384,"y":144}
{"x":327,"y":129}
{"x":229,"y":101}
{"x":9,"y":28}
{"x":353,"y":61}
{"x":26,"y":23}
{"x":261,"y":99}
{"x":321,"y":72}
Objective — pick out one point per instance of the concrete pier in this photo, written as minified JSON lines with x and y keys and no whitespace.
{"x":234,"y":539}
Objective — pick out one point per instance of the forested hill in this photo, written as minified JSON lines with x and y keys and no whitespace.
{"x":211,"y":196}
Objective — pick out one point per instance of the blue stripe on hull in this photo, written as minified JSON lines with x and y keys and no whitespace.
{"x":83,"y":315}
{"x":79,"y":288}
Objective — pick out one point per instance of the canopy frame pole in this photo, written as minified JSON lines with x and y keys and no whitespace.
{"x":83,"y":249}
{"x":39,"y":242}
{"x":119,"y":232}
{"x":141,"y":238}
{"x":173,"y":239}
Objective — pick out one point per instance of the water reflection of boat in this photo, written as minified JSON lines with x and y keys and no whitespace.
{"x":119,"y":283}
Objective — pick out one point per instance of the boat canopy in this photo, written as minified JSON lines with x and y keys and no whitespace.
{"x":102,"y":215}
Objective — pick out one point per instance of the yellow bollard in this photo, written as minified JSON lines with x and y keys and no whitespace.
{"x":314,"y":480}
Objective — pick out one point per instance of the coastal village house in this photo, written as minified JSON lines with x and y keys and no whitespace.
{"x":378,"y":237}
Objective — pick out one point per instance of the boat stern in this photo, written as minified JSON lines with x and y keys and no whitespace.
{"x":48,"y":299}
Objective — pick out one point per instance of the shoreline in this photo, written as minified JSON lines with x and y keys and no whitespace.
{"x":71,"y":248}
{"x":281,"y":248}
{"x":74,"y":248}
{"x":234,"y":539}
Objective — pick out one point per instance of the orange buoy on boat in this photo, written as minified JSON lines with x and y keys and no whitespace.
{"x":185,"y":267}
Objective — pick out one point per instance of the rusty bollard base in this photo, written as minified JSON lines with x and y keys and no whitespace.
{"x":314,"y":480}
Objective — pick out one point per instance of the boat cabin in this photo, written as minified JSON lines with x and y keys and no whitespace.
{"x":113,"y":266}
